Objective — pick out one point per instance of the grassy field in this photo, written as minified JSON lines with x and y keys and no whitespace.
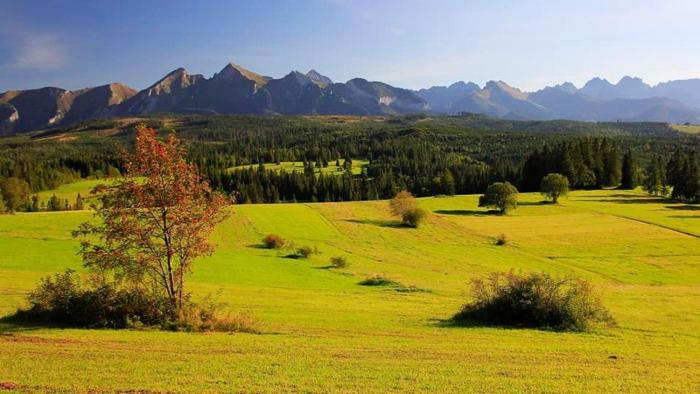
{"x":687,"y":128}
{"x":322,"y":332}
{"x":70,"y":191}
{"x":332,"y":169}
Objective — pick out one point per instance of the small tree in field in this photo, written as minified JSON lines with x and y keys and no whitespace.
{"x":500,"y":195}
{"x":15,"y":192}
{"x":403,"y":201}
{"x":155,"y":221}
{"x":554,"y":186}
{"x":404,"y":205}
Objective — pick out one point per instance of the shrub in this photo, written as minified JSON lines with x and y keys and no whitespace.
{"x":63,"y":300}
{"x":378,"y":280}
{"x":413,"y":217}
{"x":501,"y":240}
{"x":274,"y":241}
{"x":304,"y":252}
{"x":339,"y":262}
{"x":534,"y":301}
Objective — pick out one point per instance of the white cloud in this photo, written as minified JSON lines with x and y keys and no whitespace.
{"x":31,"y":50}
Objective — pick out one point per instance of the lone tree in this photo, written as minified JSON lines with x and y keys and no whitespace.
{"x":554,"y":186}
{"x":155,"y":221}
{"x":404,"y":206}
{"x":15,"y":192}
{"x":500,"y":195}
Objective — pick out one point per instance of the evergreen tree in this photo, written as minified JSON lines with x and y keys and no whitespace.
{"x":79,"y":205}
{"x":629,"y":172}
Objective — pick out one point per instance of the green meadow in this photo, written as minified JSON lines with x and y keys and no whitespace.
{"x":322,"y":332}
{"x":292,"y":166}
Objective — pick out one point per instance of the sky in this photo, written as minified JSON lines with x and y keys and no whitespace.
{"x":412,"y":44}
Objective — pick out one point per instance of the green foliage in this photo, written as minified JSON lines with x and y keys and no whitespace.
{"x":534,"y":301}
{"x":683,"y":175}
{"x":554,"y":186}
{"x":304,"y":252}
{"x":500,"y":195}
{"x":64,"y":301}
{"x":428,"y":156}
{"x":413,"y":217}
{"x":378,"y":280}
{"x":274,"y":241}
{"x":15,"y":192}
{"x":630,"y":175}
{"x":339,"y":262}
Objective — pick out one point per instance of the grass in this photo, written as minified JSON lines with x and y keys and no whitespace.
{"x":323,"y":332}
{"x":292,"y":166}
{"x":70,"y":191}
{"x":687,"y":128}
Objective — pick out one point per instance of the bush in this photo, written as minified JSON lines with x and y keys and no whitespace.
{"x":304,"y":252}
{"x":413,"y":217}
{"x":378,"y":280}
{"x":339,"y":262}
{"x":64,"y":301}
{"x":274,"y":241}
{"x":501,"y":240}
{"x":534,"y":301}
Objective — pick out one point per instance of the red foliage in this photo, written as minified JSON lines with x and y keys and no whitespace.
{"x":156,"y":220}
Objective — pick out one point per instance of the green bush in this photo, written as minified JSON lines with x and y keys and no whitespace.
{"x":379,"y":280}
{"x":339,"y":262}
{"x":274,"y":241}
{"x":413,"y":217}
{"x":534,"y":301}
{"x":304,"y":252}
{"x":64,"y":301}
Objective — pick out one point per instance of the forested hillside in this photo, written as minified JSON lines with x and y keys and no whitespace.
{"x":425,"y":155}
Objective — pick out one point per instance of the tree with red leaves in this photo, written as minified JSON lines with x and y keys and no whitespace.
{"x":155,"y":221}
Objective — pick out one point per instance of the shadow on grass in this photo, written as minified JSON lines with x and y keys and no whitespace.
{"x":453,"y":323}
{"x":637,"y":200}
{"x":684,"y":207}
{"x":11,"y":324}
{"x":380,"y":223}
{"x":467,"y":212}
{"x":684,"y":217}
{"x":257,"y":246}
{"x":535,"y":203}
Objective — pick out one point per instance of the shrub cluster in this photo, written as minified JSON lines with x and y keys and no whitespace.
{"x":534,"y":301}
{"x":378,"y":280}
{"x":64,"y":301}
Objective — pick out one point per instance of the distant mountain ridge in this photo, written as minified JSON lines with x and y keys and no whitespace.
{"x":598,"y":100}
{"x":237,"y":90}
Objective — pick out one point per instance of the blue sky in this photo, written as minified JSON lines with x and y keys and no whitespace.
{"x":529,"y":44}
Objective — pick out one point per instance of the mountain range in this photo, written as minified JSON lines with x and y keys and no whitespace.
{"x":236,"y":90}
